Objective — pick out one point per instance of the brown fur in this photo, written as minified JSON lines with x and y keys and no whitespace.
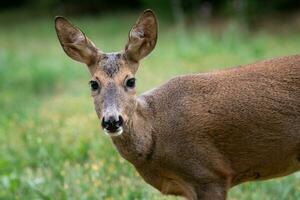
{"x":199,"y":135}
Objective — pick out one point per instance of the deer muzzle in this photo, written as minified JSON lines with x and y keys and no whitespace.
{"x":112,"y":125}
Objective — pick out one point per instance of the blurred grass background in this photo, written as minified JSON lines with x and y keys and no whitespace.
{"x":51,"y":145}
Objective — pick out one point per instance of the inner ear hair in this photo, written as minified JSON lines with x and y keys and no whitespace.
{"x":74,"y":42}
{"x":142,"y":37}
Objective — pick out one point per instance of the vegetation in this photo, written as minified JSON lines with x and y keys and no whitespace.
{"x":217,"y":5}
{"x":51,"y":145}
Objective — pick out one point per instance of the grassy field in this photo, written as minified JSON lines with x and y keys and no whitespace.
{"x":51,"y":145}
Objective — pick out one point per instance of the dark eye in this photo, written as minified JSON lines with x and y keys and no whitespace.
{"x":130,"y":83}
{"x":94,"y":85}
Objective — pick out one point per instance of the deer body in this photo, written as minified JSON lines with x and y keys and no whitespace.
{"x":222,"y":128}
{"x":197,"y":135}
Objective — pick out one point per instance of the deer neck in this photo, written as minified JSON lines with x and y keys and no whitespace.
{"x":137,"y":142}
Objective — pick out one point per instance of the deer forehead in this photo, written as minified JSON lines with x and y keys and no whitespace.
{"x":110,"y":64}
{"x":112,"y":67}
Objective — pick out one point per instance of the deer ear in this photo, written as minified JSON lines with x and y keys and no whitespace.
{"x":142,"y":36}
{"x":74,"y":42}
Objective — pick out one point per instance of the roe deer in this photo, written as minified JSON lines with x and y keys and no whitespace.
{"x":197,"y":135}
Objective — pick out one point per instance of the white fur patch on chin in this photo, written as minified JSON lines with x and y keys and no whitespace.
{"x":117,"y":133}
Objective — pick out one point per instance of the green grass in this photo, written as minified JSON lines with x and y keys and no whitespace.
{"x":51,"y":145}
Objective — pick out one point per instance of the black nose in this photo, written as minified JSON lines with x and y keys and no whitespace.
{"x":112,"y":124}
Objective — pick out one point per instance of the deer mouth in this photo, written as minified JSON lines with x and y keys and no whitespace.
{"x":113,"y":133}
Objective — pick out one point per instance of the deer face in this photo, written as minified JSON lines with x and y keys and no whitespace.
{"x":113,"y":82}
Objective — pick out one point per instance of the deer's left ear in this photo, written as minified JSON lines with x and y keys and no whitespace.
{"x":142,"y":36}
{"x":74,"y":42}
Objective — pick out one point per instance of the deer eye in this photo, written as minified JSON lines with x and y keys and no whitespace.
{"x":130,"y":83}
{"x":94,"y":85}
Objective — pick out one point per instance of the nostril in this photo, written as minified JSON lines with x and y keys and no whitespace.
{"x":104,"y":123}
{"x":120,"y":121}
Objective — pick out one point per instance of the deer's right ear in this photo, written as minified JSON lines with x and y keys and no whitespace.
{"x":74,"y":42}
{"x":142,"y":36}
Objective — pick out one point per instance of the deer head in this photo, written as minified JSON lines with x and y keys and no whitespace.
{"x":113,"y":82}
